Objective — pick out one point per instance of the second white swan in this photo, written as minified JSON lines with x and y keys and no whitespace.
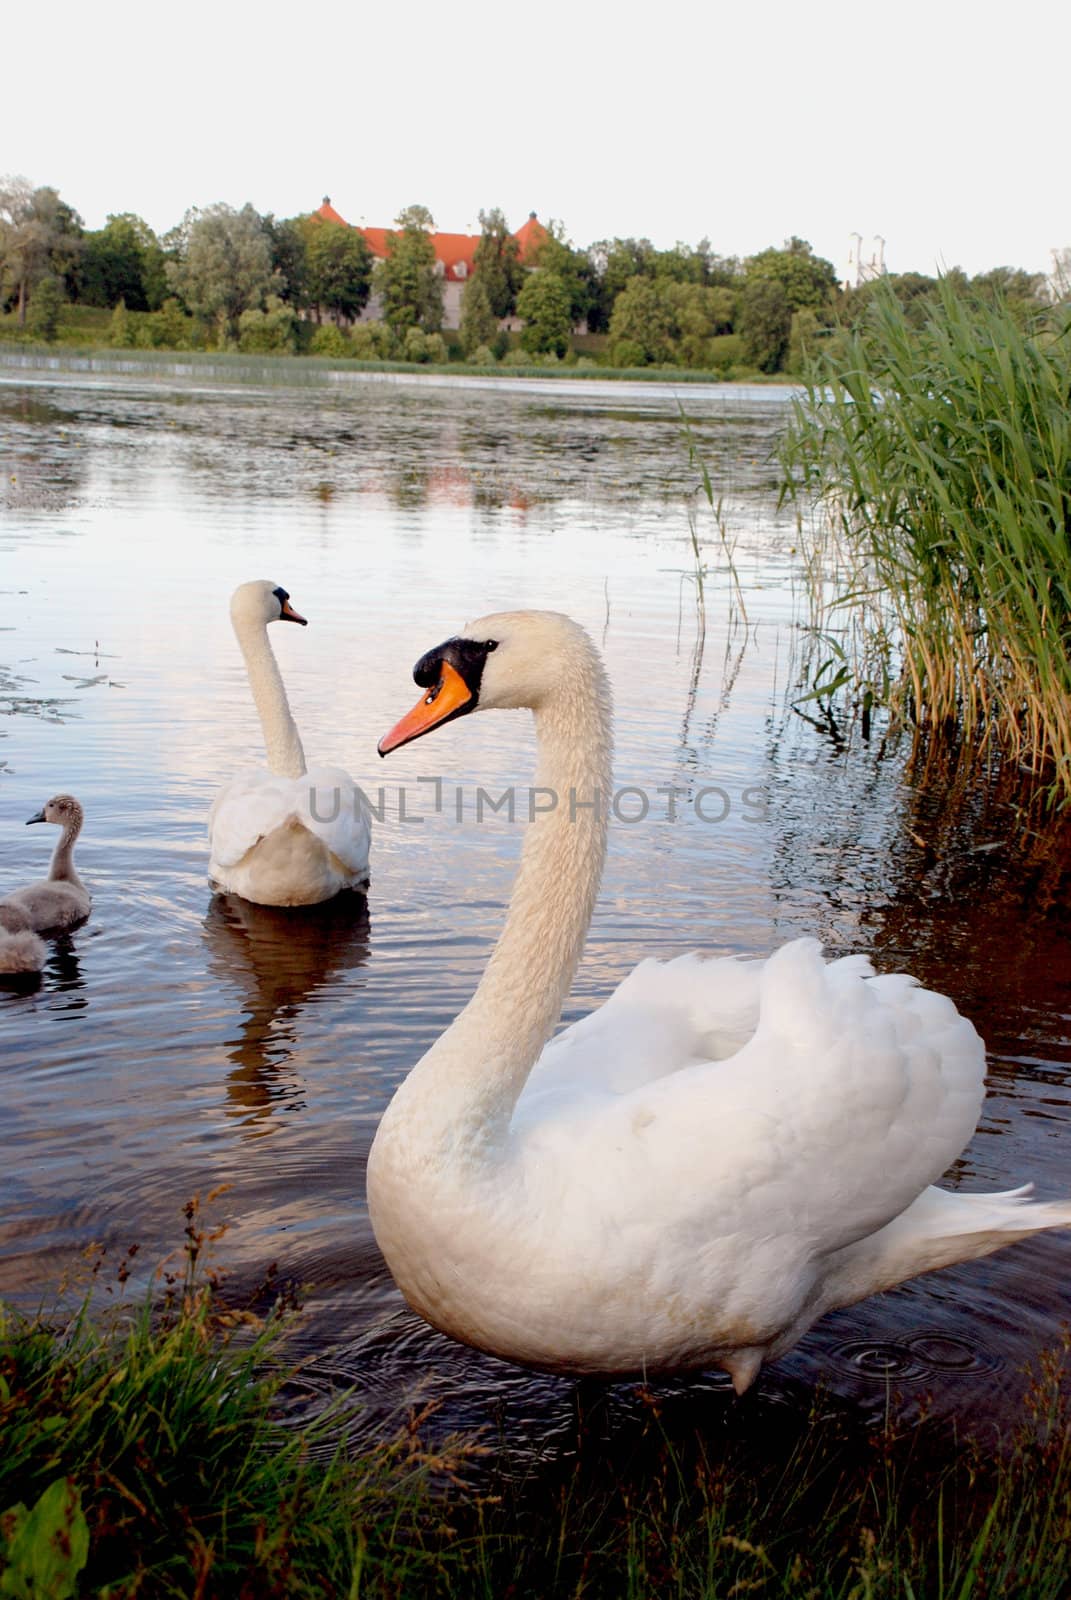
{"x":695,"y":1173}
{"x":294,"y":835}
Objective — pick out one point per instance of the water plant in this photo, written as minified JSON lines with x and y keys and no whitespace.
{"x":940,"y":458}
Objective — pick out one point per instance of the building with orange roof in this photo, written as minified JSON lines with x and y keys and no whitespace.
{"x":455,"y":257}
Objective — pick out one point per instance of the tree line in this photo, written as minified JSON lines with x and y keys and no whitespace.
{"x":229,"y":277}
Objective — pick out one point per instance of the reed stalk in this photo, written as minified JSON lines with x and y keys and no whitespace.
{"x":940,"y":459}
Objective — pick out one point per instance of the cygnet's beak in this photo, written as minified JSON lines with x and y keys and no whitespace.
{"x":447,"y":698}
{"x":288,"y":614}
{"x":40,"y":817}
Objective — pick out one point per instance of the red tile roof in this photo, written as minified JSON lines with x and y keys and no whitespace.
{"x":377,"y":239}
{"x":452,"y":249}
{"x":328,"y":212}
{"x":530,"y":236}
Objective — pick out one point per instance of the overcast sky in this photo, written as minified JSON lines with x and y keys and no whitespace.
{"x":939,"y":124}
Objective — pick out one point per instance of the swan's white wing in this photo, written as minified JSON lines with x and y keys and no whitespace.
{"x":248,"y":808}
{"x":335,"y":810}
{"x":852,"y":1094}
{"x":325,"y":800}
{"x":664,"y":1016}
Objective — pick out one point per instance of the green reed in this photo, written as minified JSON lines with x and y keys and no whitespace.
{"x":941,"y":459}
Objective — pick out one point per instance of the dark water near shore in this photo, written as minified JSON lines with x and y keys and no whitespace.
{"x":180,"y":1042}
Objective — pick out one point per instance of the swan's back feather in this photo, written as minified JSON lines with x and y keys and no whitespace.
{"x":663,"y":1016}
{"x":849,"y":1095}
{"x":345,"y":829}
{"x":324,"y":800}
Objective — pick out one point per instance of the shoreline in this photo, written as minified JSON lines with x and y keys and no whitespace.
{"x":19,"y":363}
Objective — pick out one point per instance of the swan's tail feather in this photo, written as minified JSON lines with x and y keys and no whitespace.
{"x":20,"y":954}
{"x":937,"y":1230}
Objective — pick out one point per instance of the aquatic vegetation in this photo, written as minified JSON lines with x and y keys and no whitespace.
{"x":14,"y":703}
{"x":941,"y":458}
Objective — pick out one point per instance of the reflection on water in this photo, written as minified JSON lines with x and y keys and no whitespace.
{"x":278,"y":960}
{"x":179,"y":1041}
{"x":63,"y":972}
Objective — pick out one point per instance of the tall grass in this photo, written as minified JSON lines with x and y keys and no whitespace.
{"x":941,"y":457}
{"x":151,"y":1457}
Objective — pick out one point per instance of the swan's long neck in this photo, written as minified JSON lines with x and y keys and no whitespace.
{"x":282,"y":742}
{"x":465,"y":1088}
{"x":62,"y":869}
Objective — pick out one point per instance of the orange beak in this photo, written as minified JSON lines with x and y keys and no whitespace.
{"x":288,"y":614}
{"x":445,"y":700}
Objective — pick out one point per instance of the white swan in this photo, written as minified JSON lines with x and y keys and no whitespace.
{"x":50,"y":905}
{"x":696,"y":1172}
{"x":291,"y":836}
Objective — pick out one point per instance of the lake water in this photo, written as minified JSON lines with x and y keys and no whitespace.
{"x":181,"y":1042}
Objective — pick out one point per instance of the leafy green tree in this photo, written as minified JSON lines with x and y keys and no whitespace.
{"x":663,"y":319}
{"x":424,"y":347}
{"x":804,"y":339}
{"x":40,"y":234}
{"x":374,"y":341}
{"x":572,"y":268}
{"x":120,"y":328}
{"x":683,"y":264}
{"x":765,"y":323}
{"x":45,"y":304}
{"x":478,"y":321}
{"x":614,"y":263}
{"x":497,"y":264}
{"x":287,"y":239}
{"x":122,"y":261}
{"x":408,"y":281}
{"x":65,"y":235}
{"x":338,"y":274}
{"x":719,"y":272}
{"x":700,"y":313}
{"x":807,"y":279}
{"x":174,"y":330}
{"x":267,"y":332}
{"x":643,"y":322}
{"x":330,"y":341}
{"x":1023,"y":293}
{"x":913,"y":290}
{"x":222,"y":264}
{"x":545,"y":306}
